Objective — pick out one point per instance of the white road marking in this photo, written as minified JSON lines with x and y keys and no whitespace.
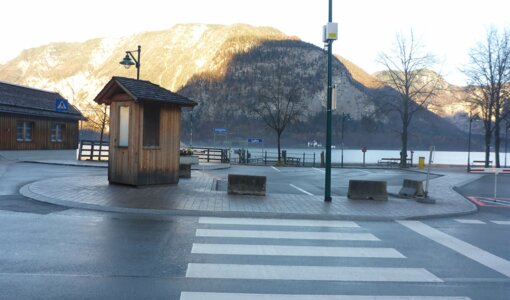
{"x":501,"y":222}
{"x":299,"y":235}
{"x":276,"y":222}
{"x":483,"y":257}
{"x":276,"y":169}
{"x":274,"y":272}
{"x":319,"y":170}
{"x":308,"y":251}
{"x":242,"y":296}
{"x":469,"y":221}
{"x":300,"y":189}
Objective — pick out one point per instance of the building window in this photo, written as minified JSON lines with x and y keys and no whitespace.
{"x":57,"y":132}
{"x":123,"y":126}
{"x":24,"y":131}
{"x":151,"y":116}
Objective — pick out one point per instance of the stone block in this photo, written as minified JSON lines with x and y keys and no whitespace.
{"x":411,"y":189}
{"x":184,"y":170}
{"x":246,"y":185}
{"x":367,"y":190}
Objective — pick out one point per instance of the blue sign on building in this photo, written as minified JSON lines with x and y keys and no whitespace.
{"x":255,"y":141}
{"x":61,"y":105}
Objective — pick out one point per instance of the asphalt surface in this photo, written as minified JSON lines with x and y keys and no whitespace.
{"x":75,"y":254}
{"x":53,"y":252}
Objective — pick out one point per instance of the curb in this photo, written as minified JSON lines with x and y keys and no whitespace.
{"x":25,"y":191}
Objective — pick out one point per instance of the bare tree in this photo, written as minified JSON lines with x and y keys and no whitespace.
{"x":279,"y":102}
{"x":98,"y":119}
{"x":488,"y":73}
{"x":408,"y":72}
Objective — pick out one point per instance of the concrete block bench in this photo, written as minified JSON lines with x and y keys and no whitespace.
{"x":246,"y":185}
{"x":367,"y":190}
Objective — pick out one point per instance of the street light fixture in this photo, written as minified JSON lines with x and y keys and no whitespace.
{"x":127,"y":62}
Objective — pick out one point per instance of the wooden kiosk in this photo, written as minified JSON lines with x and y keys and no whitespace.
{"x":144,"y":131}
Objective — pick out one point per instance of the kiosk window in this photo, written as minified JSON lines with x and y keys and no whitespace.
{"x":151,"y":117}
{"x":123,"y":126}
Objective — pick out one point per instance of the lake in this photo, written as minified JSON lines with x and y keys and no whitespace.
{"x":372,"y":156}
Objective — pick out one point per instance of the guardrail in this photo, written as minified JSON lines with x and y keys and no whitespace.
{"x":93,"y":150}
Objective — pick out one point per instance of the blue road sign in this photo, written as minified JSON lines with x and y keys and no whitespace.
{"x":220,"y":130}
{"x":255,"y":141}
{"x":61,"y":105}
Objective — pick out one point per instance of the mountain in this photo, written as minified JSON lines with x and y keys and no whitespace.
{"x":224,"y":68}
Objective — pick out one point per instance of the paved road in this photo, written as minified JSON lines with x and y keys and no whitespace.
{"x":51,"y":252}
{"x":77,"y":254}
{"x":482,"y":191}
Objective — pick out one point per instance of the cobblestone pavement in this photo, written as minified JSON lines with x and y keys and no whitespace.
{"x":197,"y":196}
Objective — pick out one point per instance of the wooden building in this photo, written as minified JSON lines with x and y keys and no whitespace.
{"x":144,"y":131}
{"x":30,"y":120}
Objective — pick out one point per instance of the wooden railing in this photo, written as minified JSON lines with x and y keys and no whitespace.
{"x":93,"y":150}
{"x":214,"y":155}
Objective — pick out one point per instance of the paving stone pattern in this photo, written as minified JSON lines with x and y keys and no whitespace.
{"x":197,"y":196}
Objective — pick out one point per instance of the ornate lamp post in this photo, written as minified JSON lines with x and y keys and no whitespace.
{"x":127,"y":62}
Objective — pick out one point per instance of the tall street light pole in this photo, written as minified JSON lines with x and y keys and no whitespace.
{"x":344,"y":117}
{"x":471,"y":118}
{"x":129,"y":58}
{"x":329,"y":35}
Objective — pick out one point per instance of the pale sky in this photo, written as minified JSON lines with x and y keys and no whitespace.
{"x":447,"y":28}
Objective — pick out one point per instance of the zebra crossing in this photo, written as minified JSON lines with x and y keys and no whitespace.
{"x":245,"y":237}
{"x":481,"y":222}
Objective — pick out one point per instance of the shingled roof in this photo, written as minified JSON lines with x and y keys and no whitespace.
{"x":141,"y":91}
{"x":23,"y":100}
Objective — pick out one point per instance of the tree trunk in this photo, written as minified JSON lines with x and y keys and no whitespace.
{"x":403,"y":152}
{"x":278,"y":135}
{"x":487,"y":146}
{"x":405,"y":126}
{"x":103,"y":125}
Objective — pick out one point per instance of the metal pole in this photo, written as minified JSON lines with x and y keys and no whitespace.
{"x":506,"y":140}
{"x":138,"y":63}
{"x":343,"y":125}
{"x":327,"y":189}
{"x":495,"y":185}
{"x":432,"y":149}
{"x":191,"y":130}
{"x":469,"y":145}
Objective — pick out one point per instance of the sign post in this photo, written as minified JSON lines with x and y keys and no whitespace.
{"x":431,"y":160}
{"x":364,"y":150}
{"x":496,"y":171}
{"x":218,"y":130}
{"x":257,"y":141}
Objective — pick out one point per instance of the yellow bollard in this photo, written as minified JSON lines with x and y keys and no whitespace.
{"x":421,"y":162}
